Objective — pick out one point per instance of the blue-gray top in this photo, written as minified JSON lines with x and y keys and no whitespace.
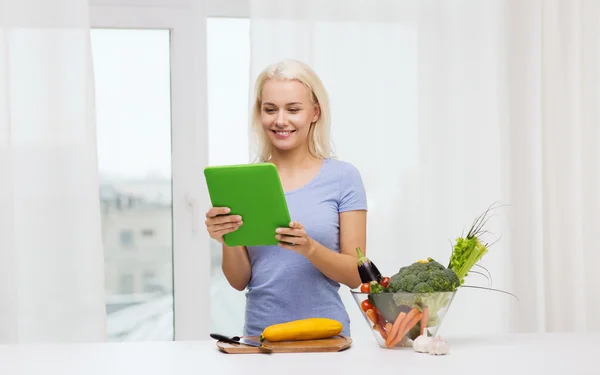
{"x":284,"y":285}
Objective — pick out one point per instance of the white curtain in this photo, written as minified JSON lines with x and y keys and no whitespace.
{"x":51,"y":261}
{"x":448,"y":107}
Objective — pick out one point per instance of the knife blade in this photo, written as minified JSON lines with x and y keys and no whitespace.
{"x":239,"y":340}
{"x":254,"y":343}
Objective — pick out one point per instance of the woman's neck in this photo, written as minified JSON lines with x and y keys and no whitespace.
{"x":293,"y":159}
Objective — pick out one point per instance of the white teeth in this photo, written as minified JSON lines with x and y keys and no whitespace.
{"x":283,"y":133}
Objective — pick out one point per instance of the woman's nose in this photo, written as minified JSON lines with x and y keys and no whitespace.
{"x":281,"y":119}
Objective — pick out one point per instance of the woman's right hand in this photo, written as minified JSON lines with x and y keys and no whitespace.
{"x":219,"y":222}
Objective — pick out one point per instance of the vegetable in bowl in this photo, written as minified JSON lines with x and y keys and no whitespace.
{"x":413,"y":301}
{"x":396,"y":319}
{"x":408,"y":304}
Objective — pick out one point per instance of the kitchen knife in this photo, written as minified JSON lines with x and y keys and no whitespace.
{"x":239,"y":340}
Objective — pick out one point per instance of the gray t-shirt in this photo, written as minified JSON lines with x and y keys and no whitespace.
{"x":284,"y":285}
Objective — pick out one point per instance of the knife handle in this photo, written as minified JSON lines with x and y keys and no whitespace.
{"x":223,"y":338}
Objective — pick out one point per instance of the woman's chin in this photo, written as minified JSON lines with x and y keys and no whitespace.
{"x":283,"y":144}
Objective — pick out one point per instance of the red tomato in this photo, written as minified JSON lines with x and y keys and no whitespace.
{"x":385,"y":282}
{"x":365,"y":288}
{"x":366,"y":305}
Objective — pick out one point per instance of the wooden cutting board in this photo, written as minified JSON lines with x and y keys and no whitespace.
{"x":334,"y":344}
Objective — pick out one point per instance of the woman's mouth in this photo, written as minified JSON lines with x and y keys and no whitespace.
{"x":282,"y":134}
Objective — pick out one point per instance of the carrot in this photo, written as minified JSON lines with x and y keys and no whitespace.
{"x":400,"y":327}
{"x":381,"y":331}
{"x":424,"y":319}
{"x":380,"y":319}
{"x":410,"y":323}
{"x":372,"y":315}
{"x":388,"y":327}
{"x":395,"y":327}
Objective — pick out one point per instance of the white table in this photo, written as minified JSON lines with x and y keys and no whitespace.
{"x":515,"y":354}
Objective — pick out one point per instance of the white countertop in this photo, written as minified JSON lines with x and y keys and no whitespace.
{"x":514,"y":354}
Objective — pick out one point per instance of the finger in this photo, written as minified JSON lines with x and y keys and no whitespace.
{"x":219,"y":227}
{"x":296,"y":225}
{"x":224,"y":219}
{"x":215,"y":211}
{"x":292,"y":240}
{"x":286,"y":245}
{"x":224,"y":230}
{"x":290,"y":232}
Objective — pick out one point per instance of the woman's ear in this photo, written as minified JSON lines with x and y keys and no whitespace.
{"x":317,"y":113}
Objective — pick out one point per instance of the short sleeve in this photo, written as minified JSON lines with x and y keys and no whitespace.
{"x":352,"y":191}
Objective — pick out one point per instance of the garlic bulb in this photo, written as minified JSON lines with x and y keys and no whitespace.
{"x":421,"y":344}
{"x":437,"y":346}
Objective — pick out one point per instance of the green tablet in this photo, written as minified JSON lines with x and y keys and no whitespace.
{"x":254,"y":192}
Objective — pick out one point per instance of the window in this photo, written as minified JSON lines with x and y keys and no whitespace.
{"x":151,"y":283}
{"x":126,"y":238}
{"x":169,"y":60}
{"x":228,"y":54}
{"x":126,"y":284}
{"x":133,"y":100}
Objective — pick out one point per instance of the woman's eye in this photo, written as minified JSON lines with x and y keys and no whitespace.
{"x":269,"y":110}
{"x":294,"y":110}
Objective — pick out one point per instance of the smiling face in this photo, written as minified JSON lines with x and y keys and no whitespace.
{"x":287,"y":113}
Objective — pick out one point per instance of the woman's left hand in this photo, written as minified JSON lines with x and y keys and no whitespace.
{"x":295,"y":238}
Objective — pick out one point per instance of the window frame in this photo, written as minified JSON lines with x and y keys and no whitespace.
{"x":186,"y":20}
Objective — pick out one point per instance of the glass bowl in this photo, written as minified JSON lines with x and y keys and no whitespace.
{"x":396,"y":319}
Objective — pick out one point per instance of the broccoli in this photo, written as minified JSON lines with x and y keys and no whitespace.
{"x":423,"y":288}
{"x":415,"y":286}
{"x":424,"y":277}
{"x":399,"y":283}
{"x":375,"y":287}
{"x":444,"y":280}
{"x":432,"y":265}
{"x":435,"y":302}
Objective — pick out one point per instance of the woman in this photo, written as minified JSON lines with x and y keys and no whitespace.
{"x":299,"y":278}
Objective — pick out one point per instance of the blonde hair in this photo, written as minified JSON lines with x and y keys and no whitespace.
{"x":319,"y":136}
